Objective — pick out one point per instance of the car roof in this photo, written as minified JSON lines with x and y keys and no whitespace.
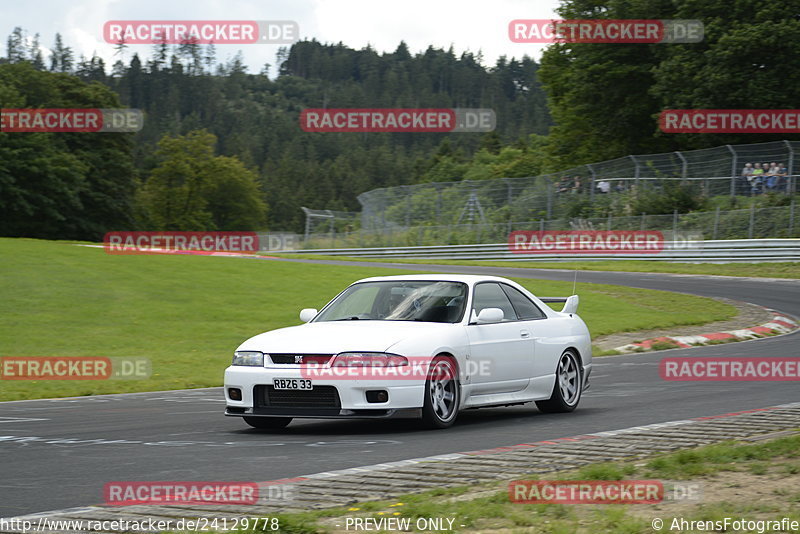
{"x":439,"y":277}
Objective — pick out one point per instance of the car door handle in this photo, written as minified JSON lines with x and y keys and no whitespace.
{"x":524,"y":333}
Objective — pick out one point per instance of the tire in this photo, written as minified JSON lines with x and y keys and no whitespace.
{"x":442,"y":394}
{"x":274,"y":423}
{"x":568,"y":387}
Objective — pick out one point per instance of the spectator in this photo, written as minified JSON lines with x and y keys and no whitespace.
{"x":564,"y":185}
{"x":619,"y":188}
{"x":576,"y":185}
{"x":782,"y":177}
{"x":771,"y":176}
{"x":747,"y":174}
{"x":756,"y":179}
{"x":603,"y":186}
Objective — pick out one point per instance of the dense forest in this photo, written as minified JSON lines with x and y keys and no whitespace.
{"x":222,"y":148}
{"x":252,"y":119}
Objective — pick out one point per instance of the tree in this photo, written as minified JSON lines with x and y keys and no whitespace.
{"x":606,"y":98}
{"x":61,"y":59}
{"x":62,"y":185}
{"x":234,"y":199}
{"x":15,"y":46}
{"x":35,"y":53}
{"x":191,"y":189}
{"x":748,"y":60}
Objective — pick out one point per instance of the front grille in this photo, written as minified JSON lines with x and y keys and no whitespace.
{"x":319,"y":397}
{"x":305,"y":359}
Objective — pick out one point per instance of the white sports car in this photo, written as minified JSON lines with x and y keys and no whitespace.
{"x":428,"y":345}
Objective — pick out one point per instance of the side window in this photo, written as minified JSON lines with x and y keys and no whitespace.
{"x":525,"y":309}
{"x":490,"y":295}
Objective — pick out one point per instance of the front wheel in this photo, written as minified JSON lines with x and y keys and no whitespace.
{"x":442,"y":394}
{"x":568,"y":386}
{"x":268,"y":422}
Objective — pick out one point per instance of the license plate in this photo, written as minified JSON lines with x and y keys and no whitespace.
{"x":291,"y":383}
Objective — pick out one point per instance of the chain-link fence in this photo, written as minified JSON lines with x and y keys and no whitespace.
{"x":753,"y":223}
{"x":486,"y":210}
{"x":321,"y":222}
{"x":708,"y":172}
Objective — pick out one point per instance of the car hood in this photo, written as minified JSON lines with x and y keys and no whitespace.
{"x":332,"y":337}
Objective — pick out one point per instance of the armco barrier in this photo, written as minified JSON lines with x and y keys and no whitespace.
{"x":722,"y":251}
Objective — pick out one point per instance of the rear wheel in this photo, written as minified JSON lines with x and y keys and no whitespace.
{"x":442,"y":394}
{"x":567,"y":389}
{"x":268,"y":422}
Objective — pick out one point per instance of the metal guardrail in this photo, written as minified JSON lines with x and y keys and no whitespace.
{"x":720,"y":251}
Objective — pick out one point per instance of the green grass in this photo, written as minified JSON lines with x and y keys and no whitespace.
{"x":767,"y":270}
{"x":487,"y":507}
{"x":188,"y":313}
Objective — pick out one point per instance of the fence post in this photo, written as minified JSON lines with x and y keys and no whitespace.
{"x":408,"y":206}
{"x":541,"y":225}
{"x":790,"y":169}
{"x":791,"y":218}
{"x":592,"y":182}
{"x":674,"y":224}
{"x":752,"y":220}
{"x":510,"y":199}
{"x":438,"y":205}
{"x":716,"y":223}
{"x":549,"y":200}
{"x":608,"y":224}
{"x":642,"y":225}
{"x":635,"y":170}
{"x":308,"y":224}
{"x":734,"y":165}
{"x":684,"y":165}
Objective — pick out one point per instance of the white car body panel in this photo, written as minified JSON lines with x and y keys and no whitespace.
{"x":521,"y":356}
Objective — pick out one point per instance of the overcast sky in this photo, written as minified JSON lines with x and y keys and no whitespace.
{"x":465,"y":24}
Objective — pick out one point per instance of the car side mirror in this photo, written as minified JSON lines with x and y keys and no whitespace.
{"x":307,"y":314}
{"x":490,"y":315}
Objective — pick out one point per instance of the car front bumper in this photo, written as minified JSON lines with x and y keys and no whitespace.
{"x":330,"y":397}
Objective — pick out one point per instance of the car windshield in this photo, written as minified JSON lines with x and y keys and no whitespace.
{"x":399,"y":300}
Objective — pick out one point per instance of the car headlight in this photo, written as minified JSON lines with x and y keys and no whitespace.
{"x":249,"y":358}
{"x":369,"y":359}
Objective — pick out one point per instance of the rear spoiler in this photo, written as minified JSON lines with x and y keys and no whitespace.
{"x":570,"y":303}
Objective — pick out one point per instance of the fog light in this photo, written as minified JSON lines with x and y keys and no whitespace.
{"x":235,"y":394}
{"x":378,"y":395}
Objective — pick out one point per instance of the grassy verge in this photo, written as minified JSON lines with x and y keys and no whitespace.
{"x":765,"y":270}
{"x":188,"y":313}
{"x":758,"y":481}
